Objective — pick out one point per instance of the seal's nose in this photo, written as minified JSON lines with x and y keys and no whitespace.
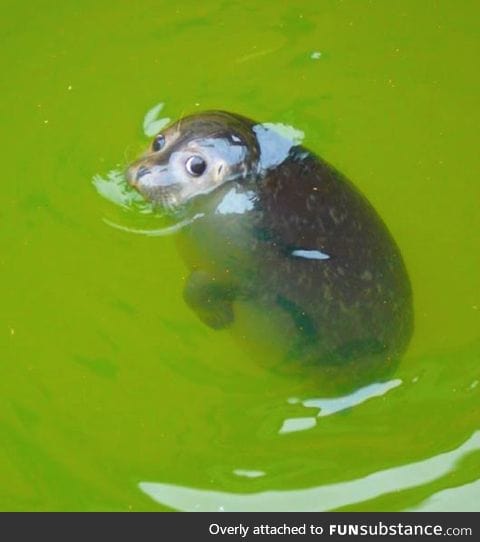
{"x":141,"y":171}
{"x":135,"y":173}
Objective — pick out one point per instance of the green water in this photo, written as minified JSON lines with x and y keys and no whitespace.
{"x":113,"y":395}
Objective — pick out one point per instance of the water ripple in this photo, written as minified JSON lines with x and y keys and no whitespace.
{"x":321,"y":498}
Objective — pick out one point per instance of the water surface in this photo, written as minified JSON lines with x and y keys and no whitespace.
{"x":113,"y":395}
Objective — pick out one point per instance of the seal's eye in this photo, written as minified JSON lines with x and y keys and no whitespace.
{"x":196,"y":165}
{"x":158,"y":143}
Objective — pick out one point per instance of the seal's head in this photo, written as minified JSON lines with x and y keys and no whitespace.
{"x":194,"y":156}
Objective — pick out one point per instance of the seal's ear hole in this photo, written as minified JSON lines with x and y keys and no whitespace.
{"x":195,"y":166}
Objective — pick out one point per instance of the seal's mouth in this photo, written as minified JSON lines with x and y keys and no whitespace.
{"x":154,"y":185}
{"x":131,"y":175}
{"x":164,"y":198}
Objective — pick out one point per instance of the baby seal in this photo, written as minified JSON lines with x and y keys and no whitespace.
{"x":275,"y":228}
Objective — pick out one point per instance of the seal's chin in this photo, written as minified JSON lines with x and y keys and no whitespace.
{"x":162,"y":198}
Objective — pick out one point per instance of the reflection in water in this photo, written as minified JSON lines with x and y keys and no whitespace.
{"x":113,"y":187}
{"x":311,"y":254}
{"x":152,"y":124}
{"x":329,"y":406}
{"x":249,"y":473}
{"x":297,"y":424}
{"x":456,"y":499}
{"x":276,"y":140}
{"x":332,"y":405}
{"x":158,"y":232}
{"x":322,"y":498}
{"x":235,"y":202}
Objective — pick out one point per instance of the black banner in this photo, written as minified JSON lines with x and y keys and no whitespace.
{"x":323,"y":526}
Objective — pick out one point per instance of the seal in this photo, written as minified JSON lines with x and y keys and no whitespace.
{"x":275,"y":228}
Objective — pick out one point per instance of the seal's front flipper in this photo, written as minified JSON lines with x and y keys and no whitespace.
{"x":210,"y":299}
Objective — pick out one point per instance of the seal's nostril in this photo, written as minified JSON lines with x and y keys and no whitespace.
{"x":142,"y":170}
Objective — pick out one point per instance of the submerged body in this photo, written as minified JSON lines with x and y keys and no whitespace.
{"x":277,"y":230}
